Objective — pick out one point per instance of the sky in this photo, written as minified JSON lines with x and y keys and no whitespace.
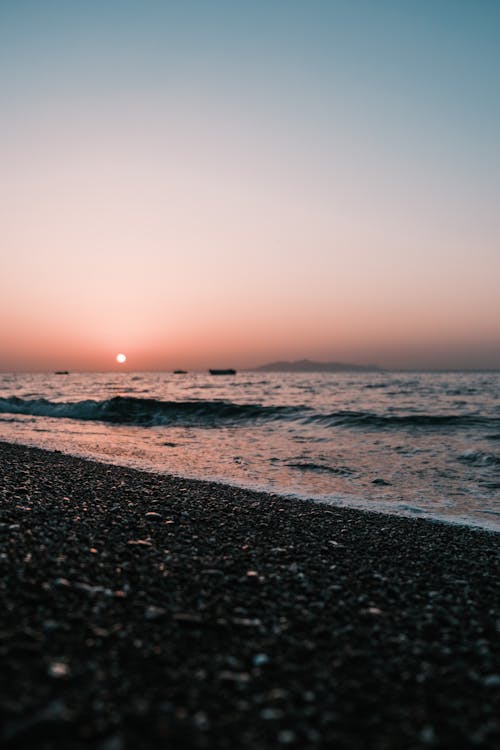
{"x":210,"y":184}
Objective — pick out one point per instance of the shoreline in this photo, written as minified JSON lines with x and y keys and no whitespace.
{"x":488,"y":526}
{"x":145,"y":608}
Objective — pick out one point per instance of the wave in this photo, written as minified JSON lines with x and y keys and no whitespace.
{"x":148,"y":412}
{"x":311,"y":466}
{"x":479,"y":458}
{"x":388,"y":421}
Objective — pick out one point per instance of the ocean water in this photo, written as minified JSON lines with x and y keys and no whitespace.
{"x":423,"y":444}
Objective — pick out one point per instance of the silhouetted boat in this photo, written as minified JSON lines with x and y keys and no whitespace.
{"x":61,"y":372}
{"x":229,"y":371}
{"x":180,"y":372}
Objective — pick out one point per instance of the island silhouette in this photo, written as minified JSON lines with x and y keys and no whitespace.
{"x":307,"y":365}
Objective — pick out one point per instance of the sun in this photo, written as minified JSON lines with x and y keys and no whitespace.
{"x":121,"y":358}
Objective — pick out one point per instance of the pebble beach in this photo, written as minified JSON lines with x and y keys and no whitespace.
{"x":147,"y":611}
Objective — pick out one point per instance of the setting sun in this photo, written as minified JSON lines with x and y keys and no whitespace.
{"x":121,"y":358}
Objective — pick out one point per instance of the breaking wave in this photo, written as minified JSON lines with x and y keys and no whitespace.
{"x":148,"y":412}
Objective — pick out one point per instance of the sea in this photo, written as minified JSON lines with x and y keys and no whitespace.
{"x":424,"y":445}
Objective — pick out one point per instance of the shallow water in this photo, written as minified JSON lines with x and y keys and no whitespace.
{"x":422,"y":444}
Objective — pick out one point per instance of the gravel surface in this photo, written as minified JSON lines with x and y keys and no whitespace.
{"x":144,"y":611}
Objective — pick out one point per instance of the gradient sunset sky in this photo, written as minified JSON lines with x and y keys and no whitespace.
{"x":202,"y":183}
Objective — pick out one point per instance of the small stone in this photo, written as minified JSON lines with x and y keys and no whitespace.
{"x":271,"y":714}
{"x":247,"y":622}
{"x":252,"y":574}
{"x":492,"y":680}
{"x":260,"y":659}
{"x":61,"y":582}
{"x":100,"y":632}
{"x":427,"y":734}
{"x":87,"y":588}
{"x":50,"y":625}
{"x":153,"y":514}
{"x":201,"y":720}
{"x":140,"y":542}
{"x":58,"y":669}
{"x":286,"y":737}
{"x":153,"y":613}
{"x":278,"y":694}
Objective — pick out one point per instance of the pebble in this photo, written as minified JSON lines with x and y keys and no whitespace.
{"x":140,"y":542}
{"x":260,"y":659}
{"x":152,"y":612}
{"x":492,"y":680}
{"x":58,"y":669}
{"x":428,"y":735}
{"x":271,"y":714}
{"x":286,"y":736}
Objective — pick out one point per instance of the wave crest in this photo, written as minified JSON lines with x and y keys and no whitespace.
{"x":147,"y":412}
{"x":150,"y":412}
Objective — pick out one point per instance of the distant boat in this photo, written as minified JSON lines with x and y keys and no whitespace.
{"x":61,"y":372}
{"x":229,"y":371}
{"x":180,"y":372}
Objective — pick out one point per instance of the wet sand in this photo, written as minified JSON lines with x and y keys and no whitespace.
{"x":144,"y":611}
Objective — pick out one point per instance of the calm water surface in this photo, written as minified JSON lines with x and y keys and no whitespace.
{"x":414,"y":444}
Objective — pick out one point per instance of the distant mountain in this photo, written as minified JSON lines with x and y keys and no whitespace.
{"x":306,"y":365}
